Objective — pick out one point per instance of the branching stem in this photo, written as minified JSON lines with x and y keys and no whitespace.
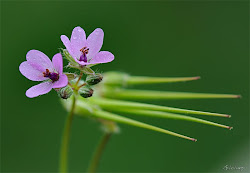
{"x":79,"y":78}
{"x":82,"y":85}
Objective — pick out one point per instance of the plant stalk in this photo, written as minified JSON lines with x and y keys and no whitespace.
{"x":79,"y":78}
{"x":63,"y":165}
{"x":98,"y":153}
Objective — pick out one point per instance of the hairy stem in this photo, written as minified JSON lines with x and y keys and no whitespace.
{"x":79,"y":78}
{"x":82,"y":85}
{"x":63,"y":165}
{"x":98,"y":152}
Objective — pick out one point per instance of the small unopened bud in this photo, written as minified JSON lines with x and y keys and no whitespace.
{"x":86,"y":91}
{"x":94,"y":79}
{"x":65,"y":92}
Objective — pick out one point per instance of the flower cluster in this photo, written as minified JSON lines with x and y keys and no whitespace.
{"x":81,"y":52}
{"x":104,"y":96}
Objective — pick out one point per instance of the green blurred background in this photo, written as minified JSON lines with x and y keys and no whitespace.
{"x":153,"y":38}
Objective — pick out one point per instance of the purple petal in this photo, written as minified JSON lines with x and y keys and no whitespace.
{"x":67,"y":44}
{"x":58,"y":63}
{"x":32,"y":71}
{"x":102,"y":57}
{"x":39,"y":89}
{"x":94,"y":42}
{"x":78,"y":40}
{"x":62,"y":82}
{"x":40,"y":58}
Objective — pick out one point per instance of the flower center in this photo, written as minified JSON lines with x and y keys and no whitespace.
{"x":53,"y":76}
{"x":83,"y":57}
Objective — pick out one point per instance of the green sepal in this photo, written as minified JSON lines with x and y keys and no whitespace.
{"x":65,"y":54}
{"x":87,"y":70}
{"x":71,"y":76}
{"x":65,"y":92}
{"x":94,"y":79}
{"x":86,"y":91}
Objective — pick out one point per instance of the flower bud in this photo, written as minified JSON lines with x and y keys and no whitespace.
{"x":65,"y":92}
{"x":86,"y":92}
{"x":94,"y":79}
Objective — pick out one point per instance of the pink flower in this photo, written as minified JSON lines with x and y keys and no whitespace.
{"x":86,"y":51}
{"x":38,"y":67}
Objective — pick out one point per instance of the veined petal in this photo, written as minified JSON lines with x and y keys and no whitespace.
{"x":39,"y":89}
{"x":78,"y":40}
{"x":102,"y":57}
{"x":32,"y":71}
{"x":94,"y":42}
{"x":40,"y":58}
{"x":58,"y":63}
{"x":62,"y":81}
{"x":68,"y":46}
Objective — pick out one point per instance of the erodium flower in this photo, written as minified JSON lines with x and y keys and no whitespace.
{"x":106,"y":98}
{"x":38,"y":67}
{"x":87,"y":51}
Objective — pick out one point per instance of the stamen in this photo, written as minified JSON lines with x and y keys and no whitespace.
{"x":53,"y":76}
{"x":83,"y":57}
{"x":46,"y":74}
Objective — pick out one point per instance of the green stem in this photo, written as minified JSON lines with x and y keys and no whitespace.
{"x":63,"y":165}
{"x":98,"y":152}
{"x":79,"y":78}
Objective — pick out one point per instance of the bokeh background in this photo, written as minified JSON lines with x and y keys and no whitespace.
{"x":153,"y":38}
